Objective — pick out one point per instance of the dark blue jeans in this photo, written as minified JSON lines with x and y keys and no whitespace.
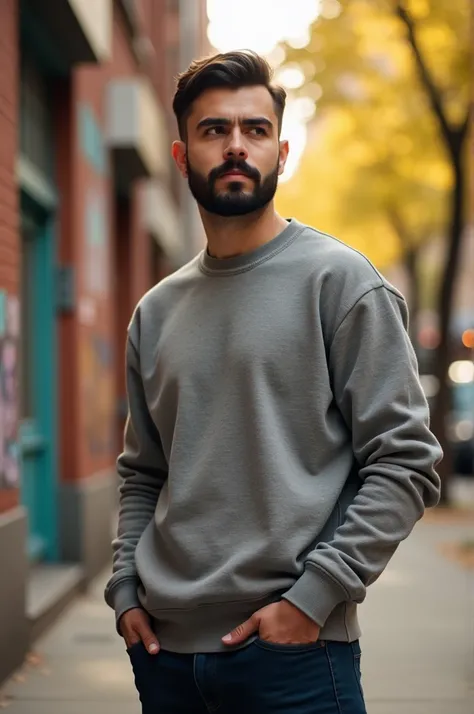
{"x":262,"y":678}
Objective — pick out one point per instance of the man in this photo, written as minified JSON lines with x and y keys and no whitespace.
{"x":277,"y":448}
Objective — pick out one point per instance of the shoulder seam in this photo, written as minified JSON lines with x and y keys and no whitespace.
{"x":399,"y":296}
{"x":349,"y":247}
{"x":382,"y":286}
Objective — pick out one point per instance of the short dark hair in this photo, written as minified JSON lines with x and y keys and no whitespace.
{"x":230,"y":70}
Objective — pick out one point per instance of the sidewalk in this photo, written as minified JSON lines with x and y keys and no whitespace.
{"x":418,"y":643}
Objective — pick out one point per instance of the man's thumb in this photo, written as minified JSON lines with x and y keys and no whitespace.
{"x":149,"y":639}
{"x":241,"y":632}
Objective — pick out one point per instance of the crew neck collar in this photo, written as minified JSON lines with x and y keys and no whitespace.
{"x":247,"y":261}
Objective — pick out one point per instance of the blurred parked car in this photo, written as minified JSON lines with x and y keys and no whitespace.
{"x":460,"y":418}
{"x":461,"y":428}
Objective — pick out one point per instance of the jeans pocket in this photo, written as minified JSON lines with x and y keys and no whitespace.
{"x":343,"y":660}
{"x":357,"y":656}
{"x":356,"y":653}
{"x":357,"y":666}
{"x":141,"y":662}
{"x":133,"y":649}
{"x":356,"y":650}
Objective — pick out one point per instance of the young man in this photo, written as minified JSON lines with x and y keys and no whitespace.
{"x":277,"y":448}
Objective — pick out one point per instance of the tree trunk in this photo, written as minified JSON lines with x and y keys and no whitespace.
{"x":445,"y":309}
{"x":453,"y":138}
{"x":410,"y":249}
{"x":411,"y":265}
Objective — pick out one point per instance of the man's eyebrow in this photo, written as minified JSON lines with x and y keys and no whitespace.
{"x":213,"y":121}
{"x":221,"y":121}
{"x":257,"y":121}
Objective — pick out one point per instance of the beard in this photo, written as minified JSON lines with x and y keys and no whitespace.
{"x":233,"y":201}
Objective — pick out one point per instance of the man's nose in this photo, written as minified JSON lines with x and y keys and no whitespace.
{"x":236,"y":149}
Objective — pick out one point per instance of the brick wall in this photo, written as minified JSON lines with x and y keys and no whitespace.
{"x":9,"y":240}
{"x":9,"y":254}
{"x":102,"y":317}
{"x":68,"y":345}
{"x":98,"y":323}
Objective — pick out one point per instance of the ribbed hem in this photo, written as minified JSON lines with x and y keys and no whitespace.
{"x":202,"y":629}
{"x":316,"y":595}
{"x":124,"y":597}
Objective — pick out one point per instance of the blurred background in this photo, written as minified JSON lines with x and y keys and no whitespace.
{"x":93,"y":214}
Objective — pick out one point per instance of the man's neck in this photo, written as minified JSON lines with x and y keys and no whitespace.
{"x":228,"y":237}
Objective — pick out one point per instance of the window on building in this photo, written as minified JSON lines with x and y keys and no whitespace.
{"x":36,"y":124}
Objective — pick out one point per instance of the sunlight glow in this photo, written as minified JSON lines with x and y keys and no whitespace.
{"x":331,"y":9}
{"x":258,"y":24}
{"x":290,"y":77}
{"x":277,"y":56}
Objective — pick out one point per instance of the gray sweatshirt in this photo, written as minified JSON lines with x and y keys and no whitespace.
{"x":277,"y":443}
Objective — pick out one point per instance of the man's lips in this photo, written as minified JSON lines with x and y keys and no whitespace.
{"x":234,"y":173}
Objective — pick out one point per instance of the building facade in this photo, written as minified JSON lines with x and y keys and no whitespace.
{"x":90,"y":219}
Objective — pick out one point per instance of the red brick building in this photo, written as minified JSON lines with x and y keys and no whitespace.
{"x":91,"y":216}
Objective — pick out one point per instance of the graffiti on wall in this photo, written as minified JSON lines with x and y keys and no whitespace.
{"x":98,"y":382}
{"x":9,"y":332}
{"x":91,"y":141}
{"x":96,"y":245}
{"x":97,"y":356}
{"x":96,"y":369}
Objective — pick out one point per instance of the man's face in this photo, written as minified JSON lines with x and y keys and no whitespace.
{"x":232,"y":156}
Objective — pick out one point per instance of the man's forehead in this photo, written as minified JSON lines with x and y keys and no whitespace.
{"x":234,"y":104}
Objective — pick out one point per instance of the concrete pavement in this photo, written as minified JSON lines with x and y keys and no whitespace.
{"x":418,"y":624}
{"x":418,"y":643}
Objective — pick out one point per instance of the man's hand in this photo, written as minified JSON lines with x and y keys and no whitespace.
{"x":135,"y":627}
{"x":281,"y":623}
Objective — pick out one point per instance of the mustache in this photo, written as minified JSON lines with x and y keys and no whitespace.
{"x":232,"y":165}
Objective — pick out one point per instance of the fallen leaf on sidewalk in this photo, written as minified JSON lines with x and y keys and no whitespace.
{"x":34,"y":659}
{"x":446,"y":515}
{"x":462,"y":553}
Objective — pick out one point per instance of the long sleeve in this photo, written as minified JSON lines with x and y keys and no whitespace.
{"x":376,"y":386}
{"x":143,"y":470}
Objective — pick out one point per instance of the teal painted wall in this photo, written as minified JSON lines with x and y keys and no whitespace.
{"x":38,"y":434}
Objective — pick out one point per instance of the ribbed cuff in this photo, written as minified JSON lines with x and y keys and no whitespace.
{"x":316,"y":595}
{"x":124,"y":597}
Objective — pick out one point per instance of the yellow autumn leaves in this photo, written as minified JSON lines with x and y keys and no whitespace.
{"x":375,"y":172}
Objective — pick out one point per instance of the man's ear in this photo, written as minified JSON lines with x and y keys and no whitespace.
{"x":178,"y":152}
{"x":284,"y":151}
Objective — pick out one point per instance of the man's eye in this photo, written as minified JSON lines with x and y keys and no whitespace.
{"x":214,"y":130}
{"x":258,"y":131}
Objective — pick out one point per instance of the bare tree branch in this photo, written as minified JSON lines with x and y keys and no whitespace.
{"x":399,"y":227}
{"x":465,"y":124}
{"x":425,"y":75}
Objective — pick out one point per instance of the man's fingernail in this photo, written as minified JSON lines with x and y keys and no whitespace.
{"x":227,"y":638}
{"x":153,"y":648}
